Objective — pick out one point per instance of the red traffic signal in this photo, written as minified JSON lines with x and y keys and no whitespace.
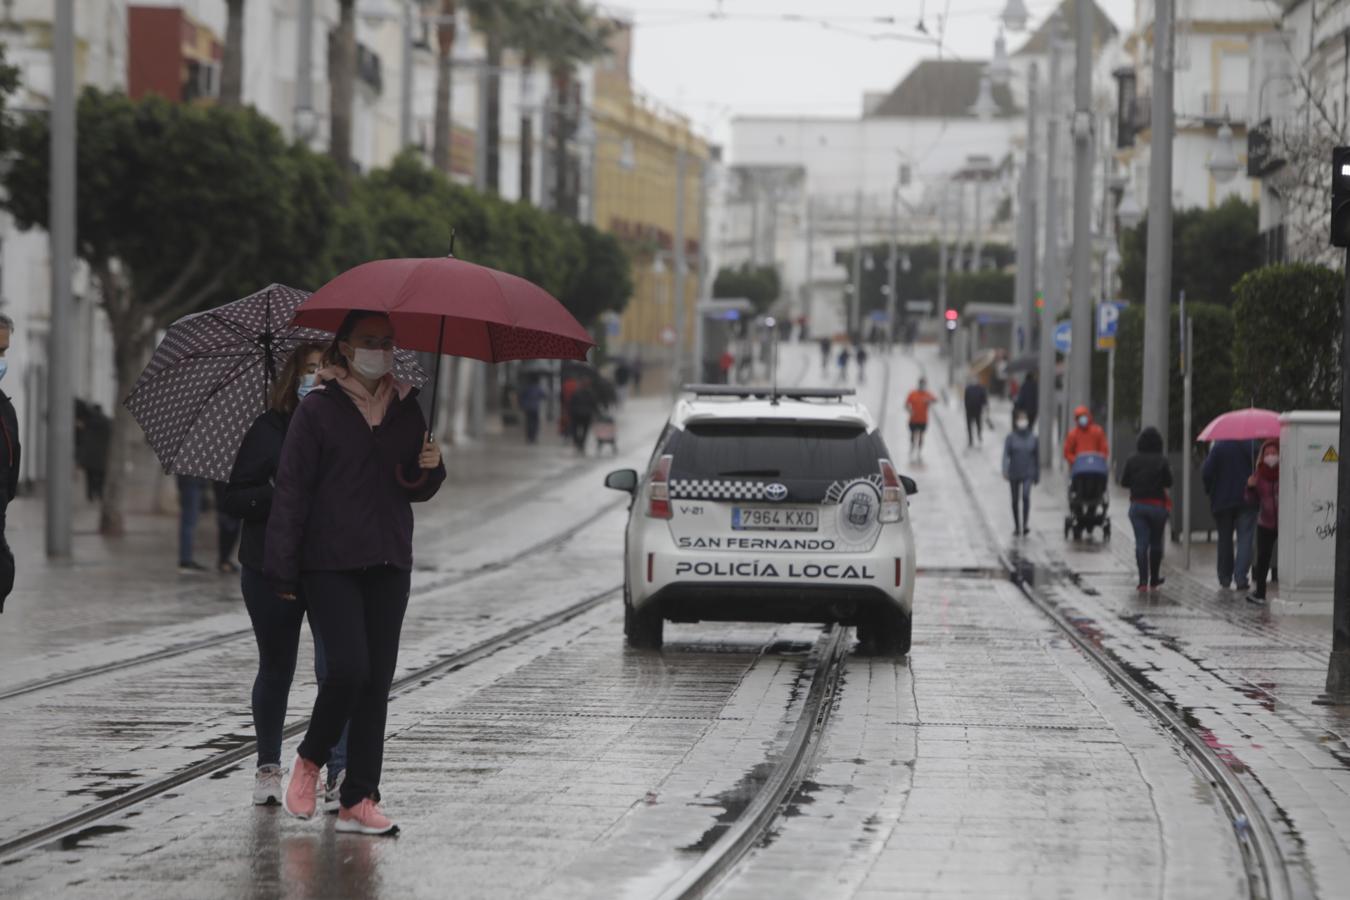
{"x":952,"y":315}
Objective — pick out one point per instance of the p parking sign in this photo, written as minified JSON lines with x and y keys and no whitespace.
{"x":1108,"y":318}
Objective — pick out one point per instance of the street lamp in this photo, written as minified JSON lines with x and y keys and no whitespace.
{"x":1015,"y":15}
{"x":1129,"y":212}
{"x":1000,"y":69}
{"x":1223,"y":164}
{"x":985,"y":107}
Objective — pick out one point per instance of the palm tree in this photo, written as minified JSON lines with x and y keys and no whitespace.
{"x":342,"y":82}
{"x":578,"y":35}
{"x":232,"y":64}
{"x":441,"y":156}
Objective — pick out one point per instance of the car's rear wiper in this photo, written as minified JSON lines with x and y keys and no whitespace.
{"x":763,"y":473}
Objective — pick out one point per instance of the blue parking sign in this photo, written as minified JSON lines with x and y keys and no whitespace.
{"x":1108,"y":319}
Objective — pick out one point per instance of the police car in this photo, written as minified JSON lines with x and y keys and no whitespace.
{"x":768,"y":505}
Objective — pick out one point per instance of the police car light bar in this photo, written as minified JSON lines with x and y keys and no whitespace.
{"x":731,"y":390}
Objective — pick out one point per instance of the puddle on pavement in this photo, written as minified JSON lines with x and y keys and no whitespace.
{"x":80,"y":839}
{"x":223,"y":742}
{"x":803,"y":796}
{"x":788,"y":648}
{"x":732,"y":802}
{"x":225,"y":773}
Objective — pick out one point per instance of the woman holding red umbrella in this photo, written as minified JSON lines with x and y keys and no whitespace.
{"x":341,"y":528}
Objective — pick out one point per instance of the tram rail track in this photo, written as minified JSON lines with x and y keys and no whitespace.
{"x":224,"y":759}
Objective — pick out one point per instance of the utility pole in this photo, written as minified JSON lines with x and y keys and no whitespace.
{"x":1338,"y":666}
{"x":977,"y":241}
{"x":405,"y":104}
{"x":891,"y":262}
{"x":677,"y":366}
{"x":942,"y":255}
{"x":1158,"y":271}
{"x":1054,"y":276}
{"x":1080,"y":353}
{"x":1026,"y":228}
{"x":60,"y":362}
{"x":855,"y":302}
{"x":304,"y":72}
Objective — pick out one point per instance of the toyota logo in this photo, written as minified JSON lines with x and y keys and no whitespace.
{"x":775,"y":492}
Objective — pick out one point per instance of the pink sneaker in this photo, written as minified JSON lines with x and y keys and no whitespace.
{"x":365,"y":818}
{"x":300,"y":793}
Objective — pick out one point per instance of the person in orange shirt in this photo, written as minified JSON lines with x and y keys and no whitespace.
{"x":1086,"y":436}
{"x":917,"y":403}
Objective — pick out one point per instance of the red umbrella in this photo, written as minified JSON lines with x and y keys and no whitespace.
{"x":445,"y":305}
{"x":1242,"y":425}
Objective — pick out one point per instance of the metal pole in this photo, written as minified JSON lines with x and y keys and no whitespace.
{"x":977,"y":241}
{"x":1111,"y":397}
{"x":1338,"y":666}
{"x":855,"y":306}
{"x":304,"y":72}
{"x":810,"y":260}
{"x":1158,"y":272}
{"x":942,"y":258}
{"x":1186,"y":445}
{"x":60,"y":357}
{"x":891,"y":262}
{"x":1026,"y":248}
{"x":680,"y":304}
{"x":1054,"y":277}
{"x":405,"y":104}
{"x":1080,"y":353}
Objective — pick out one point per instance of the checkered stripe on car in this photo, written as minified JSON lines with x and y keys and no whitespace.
{"x":709,"y":489}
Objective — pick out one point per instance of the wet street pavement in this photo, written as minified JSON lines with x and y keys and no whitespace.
{"x":997,"y":759}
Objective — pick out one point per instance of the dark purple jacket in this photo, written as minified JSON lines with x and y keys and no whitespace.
{"x":338,"y":504}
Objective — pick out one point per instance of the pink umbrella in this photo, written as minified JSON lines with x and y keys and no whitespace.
{"x":1242,"y":425}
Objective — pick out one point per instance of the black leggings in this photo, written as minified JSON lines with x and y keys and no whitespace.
{"x":1021,"y":489}
{"x":974,"y":427}
{"x":1265,"y":550}
{"x":358,"y":616}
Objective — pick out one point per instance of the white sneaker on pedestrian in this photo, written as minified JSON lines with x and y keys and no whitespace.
{"x":267,"y":785}
{"x":331,"y":792}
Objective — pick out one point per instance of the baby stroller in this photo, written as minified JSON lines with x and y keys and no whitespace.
{"x":606,"y":433}
{"x":1088,"y":499}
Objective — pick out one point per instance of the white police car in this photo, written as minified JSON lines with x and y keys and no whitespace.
{"x":769,"y":506}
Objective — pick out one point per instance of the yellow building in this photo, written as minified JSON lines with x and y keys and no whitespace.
{"x":638,"y":151}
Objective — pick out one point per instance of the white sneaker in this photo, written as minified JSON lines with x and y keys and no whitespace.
{"x":331,"y":792}
{"x":267,"y":785}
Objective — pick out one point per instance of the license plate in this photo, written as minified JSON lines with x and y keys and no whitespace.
{"x":774,"y":519}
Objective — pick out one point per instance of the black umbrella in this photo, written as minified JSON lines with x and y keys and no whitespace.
{"x":1024,"y":364}
{"x":212,"y":376}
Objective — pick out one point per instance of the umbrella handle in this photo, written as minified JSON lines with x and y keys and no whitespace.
{"x":415,"y":483}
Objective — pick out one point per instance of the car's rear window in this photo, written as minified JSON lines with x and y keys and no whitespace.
{"x":788,"y":452}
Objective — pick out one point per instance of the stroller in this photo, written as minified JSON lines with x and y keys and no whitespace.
{"x":1088,"y":499}
{"x":606,"y":432}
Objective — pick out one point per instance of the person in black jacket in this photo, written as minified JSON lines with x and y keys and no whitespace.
{"x":1148,"y":476}
{"x":9,"y":463}
{"x":276,"y":624}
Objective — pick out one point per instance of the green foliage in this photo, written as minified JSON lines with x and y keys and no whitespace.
{"x":920,"y":282}
{"x":1212,"y":385}
{"x":1211,"y":250}
{"x":1287,"y":338}
{"x":964,"y":288}
{"x":9,"y":83}
{"x":758,"y":284}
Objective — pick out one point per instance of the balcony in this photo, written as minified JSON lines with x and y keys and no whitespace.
{"x":1228,"y":105}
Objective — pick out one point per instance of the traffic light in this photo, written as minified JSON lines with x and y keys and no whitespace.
{"x":1340,"y":197}
{"x":1040,"y":302}
{"x":952,"y":316}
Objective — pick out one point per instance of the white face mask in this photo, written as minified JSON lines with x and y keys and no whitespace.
{"x":372,"y":364}
{"x":306,"y":385}
{"x":1082,"y":421}
{"x":1271,"y":459}
{"x":1022,"y":424}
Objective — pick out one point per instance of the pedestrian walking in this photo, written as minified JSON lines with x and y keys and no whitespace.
{"x":1148,"y":476}
{"x":977,"y":403}
{"x":725,"y":362}
{"x":565,"y":391}
{"x":1022,"y":468}
{"x":1028,"y":398}
{"x":825,"y":347}
{"x":1264,"y":487}
{"x":842,"y":362}
{"x":860,"y":354}
{"x":191,"y":491}
{"x":340,"y":535}
{"x":1086,"y":436}
{"x":9,"y":462}
{"x":228,"y":527}
{"x":92,"y":452}
{"x":276,"y":625}
{"x":917,"y":403}
{"x":531,"y":400}
{"x":582,"y":409}
{"x":1225,"y":473}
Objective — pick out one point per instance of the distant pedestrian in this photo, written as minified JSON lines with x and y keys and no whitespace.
{"x":1225,"y":474}
{"x":1264,"y":487}
{"x":977,"y":403}
{"x":1149,"y":477}
{"x":1086,"y":436}
{"x":191,"y":491}
{"x":531,"y":400}
{"x":228,"y":527}
{"x":566,"y":390}
{"x":917,"y":403}
{"x":276,"y":625}
{"x":92,"y":454}
{"x":825,"y":347}
{"x":842,"y":361}
{"x":622,"y":375}
{"x":357,"y":455}
{"x":1028,"y":398}
{"x":636,"y":374}
{"x":725,"y":362}
{"x":860,"y":354}
{"x":582,"y":409}
{"x":1022,"y":468}
{"x":9,"y":462}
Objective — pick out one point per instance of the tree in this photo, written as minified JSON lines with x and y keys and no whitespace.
{"x":604,"y":281}
{"x":342,"y":85}
{"x":9,"y":83}
{"x":1212,"y":250}
{"x":1287,"y":338}
{"x":758,"y":284}
{"x":179,"y":207}
{"x":573,"y":33}
{"x":232,"y":63}
{"x":443,"y":130}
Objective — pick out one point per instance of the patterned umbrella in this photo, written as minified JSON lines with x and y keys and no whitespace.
{"x":212,"y":375}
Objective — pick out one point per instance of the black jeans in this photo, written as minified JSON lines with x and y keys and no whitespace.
{"x":358,"y":615}
{"x":1265,"y":550}
{"x":974,"y":426}
{"x":1150,"y":527}
{"x":6,"y":554}
{"x":1021,"y":489}
{"x":276,"y":628}
{"x":227,"y":527}
{"x":581,"y":429}
{"x":531,"y":426}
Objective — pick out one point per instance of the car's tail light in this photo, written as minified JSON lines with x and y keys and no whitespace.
{"x":892,"y":493}
{"x":658,"y":493}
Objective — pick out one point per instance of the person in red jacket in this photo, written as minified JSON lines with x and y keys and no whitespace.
{"x":1086,"y":436}
{"x":1264,"y":487}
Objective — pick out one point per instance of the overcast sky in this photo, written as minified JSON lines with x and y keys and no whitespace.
{"x":752,"y":61}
